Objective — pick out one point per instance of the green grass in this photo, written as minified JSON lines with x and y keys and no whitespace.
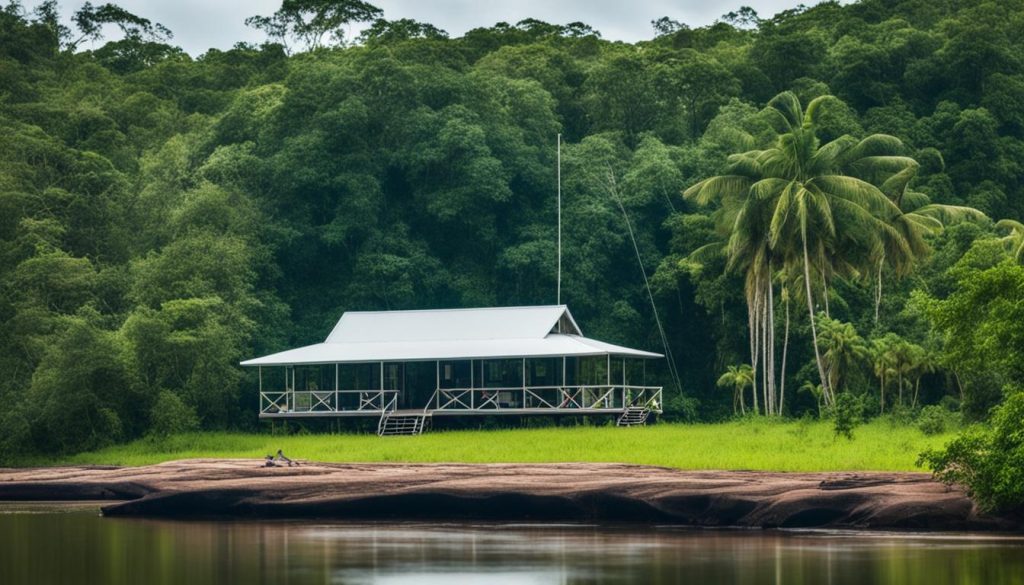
{"x":753,"y":444}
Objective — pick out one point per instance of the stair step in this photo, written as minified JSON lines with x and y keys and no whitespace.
{"x":402,"y":424}
{"x":633,"y":416}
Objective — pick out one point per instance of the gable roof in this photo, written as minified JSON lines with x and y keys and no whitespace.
{"x":451,"y":324}
{"x":451,"y":334}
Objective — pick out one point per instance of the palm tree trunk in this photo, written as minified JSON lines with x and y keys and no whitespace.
{"x":814,"y":329}
{"x":782,"y":372}
{"x":917,"y":388}
{"x":881,"y":392}
{"x":899,"y":374}
{"x":752,"y":319}
{"x":878,"y":291}
{"x":824,"y":291}
{"x":771,"y":340}
{"x":766,"y":375}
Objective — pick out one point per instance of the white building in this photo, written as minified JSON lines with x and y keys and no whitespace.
{"x":409,"y":366}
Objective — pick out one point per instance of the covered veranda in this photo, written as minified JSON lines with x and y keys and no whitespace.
{"x":516,"y":360}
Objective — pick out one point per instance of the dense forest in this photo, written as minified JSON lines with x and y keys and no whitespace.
{"x":163,"y":216}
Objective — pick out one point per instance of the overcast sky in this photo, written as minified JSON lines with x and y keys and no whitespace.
{"x":201,"y":24}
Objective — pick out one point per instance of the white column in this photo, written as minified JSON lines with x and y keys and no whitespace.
{"x":523,"y":404}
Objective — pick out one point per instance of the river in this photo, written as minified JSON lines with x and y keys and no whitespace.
{"x":72,"y":543}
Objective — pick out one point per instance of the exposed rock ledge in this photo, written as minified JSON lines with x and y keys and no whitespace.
{"x":539,"y":492}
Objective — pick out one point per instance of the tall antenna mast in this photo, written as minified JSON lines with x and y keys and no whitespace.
{"x":559,"y":158}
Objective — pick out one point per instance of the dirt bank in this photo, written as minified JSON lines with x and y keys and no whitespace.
{"x":537,"y":492}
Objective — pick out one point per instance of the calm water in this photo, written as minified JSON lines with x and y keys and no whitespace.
{"x":42,"y":544}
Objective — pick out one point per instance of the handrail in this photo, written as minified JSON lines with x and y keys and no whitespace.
{"x":573,"y":397}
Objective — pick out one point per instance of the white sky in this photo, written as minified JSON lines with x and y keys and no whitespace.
{"x":201,"y":24}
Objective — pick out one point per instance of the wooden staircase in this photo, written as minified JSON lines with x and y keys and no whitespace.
{"x":634,"y":416}
{"x":398,"y":422}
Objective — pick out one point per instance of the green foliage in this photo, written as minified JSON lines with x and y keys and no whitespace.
{"x":935,"y":419}
{"x":163,"y":216}
{"x":846,"y":413}
{"x":170,"y":416}
{"x":988,"y":460}
{"x":982,"y":324}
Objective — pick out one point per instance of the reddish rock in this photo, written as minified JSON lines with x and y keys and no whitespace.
{"x":538,"y":492}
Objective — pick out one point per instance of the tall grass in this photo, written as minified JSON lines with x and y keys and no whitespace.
{"x":750,"y":444}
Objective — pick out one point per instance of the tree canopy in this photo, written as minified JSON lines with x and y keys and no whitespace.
{"x":163,"y":216}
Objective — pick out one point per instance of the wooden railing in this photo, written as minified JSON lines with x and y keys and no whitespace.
{"x":285,"y":402}
{"x":564,"y":399}
{"x":546,"y":398}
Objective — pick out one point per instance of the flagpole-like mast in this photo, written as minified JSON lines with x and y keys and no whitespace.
{"x":559,"y":164}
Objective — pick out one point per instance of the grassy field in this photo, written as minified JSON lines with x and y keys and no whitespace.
{"x":756,"y":445}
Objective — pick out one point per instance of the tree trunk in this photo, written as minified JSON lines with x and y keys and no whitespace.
{"x":782,"y":372}
{"x":814,"y":329}
{"x":917,"y":388}
{"x":752,"y":318}
{"x":824,"y":290}
{"x":881,"y":392}
{"x":878,"y":291}
{"x":899,"y":375}
{"x":771,"y":339}
{"x":766,"y":374}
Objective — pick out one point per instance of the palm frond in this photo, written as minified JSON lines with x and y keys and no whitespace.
{"x":950,"y":214}
{"x":824,"y":160}
{"x":813,"y":108}
{"x":1010,"y":225}
{"x":858,"y":192}
{"x":787,"y":104}
{"x":769,"y":188}
{"x":874,"y":145}
{"x":718,"y":187}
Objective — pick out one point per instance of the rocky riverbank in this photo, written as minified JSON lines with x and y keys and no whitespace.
{"x":590,"y":492}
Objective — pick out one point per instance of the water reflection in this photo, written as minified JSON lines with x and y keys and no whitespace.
{"x":47,"y":544}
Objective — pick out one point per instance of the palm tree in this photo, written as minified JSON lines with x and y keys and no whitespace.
{"x":844,"y":350}
{"x":737,"y":378}
{"x":883,"y":361}
{"x":800,"y":206}
{"x":814,"y":390}
{"x":921,"y":362}
{"x":918,"y":218}
{"x":1014,"y":240}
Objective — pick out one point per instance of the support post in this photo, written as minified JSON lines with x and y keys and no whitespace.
{"x":523,"y":403}
{"x":472,"y":383}
{"x":608,"y":377}
{"x":337,"y":395}
{"x":383,"y":403}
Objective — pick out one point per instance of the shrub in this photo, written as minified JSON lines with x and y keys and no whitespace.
{"x":679,"y":408}
{"x":988,"y":461}
{"x":935,"y":419}
{"x":170,"y":415}
{"x":901,"y":415}
{"x":846,"y":414}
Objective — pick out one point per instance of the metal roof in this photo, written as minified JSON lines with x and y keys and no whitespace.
{"x":487,"y":333}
